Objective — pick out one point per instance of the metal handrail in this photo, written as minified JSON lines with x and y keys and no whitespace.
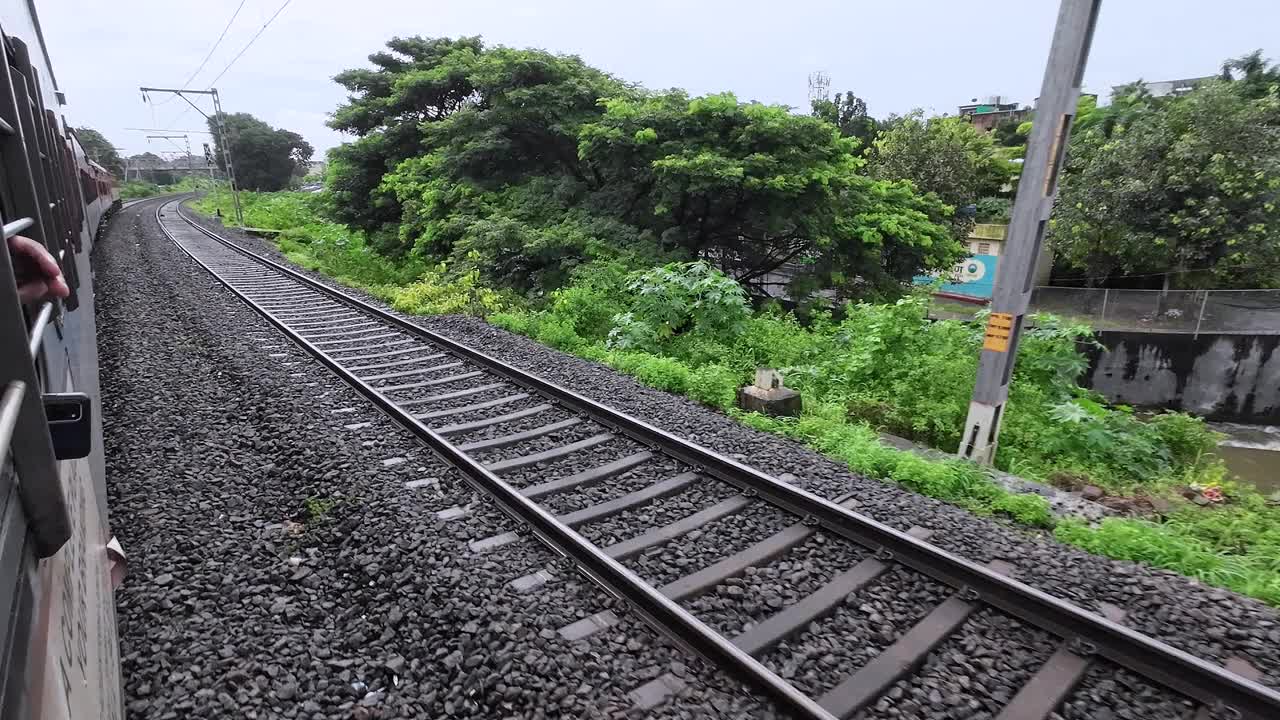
{"x":10,"y":408}
{"x":37,"y":330}
{"x":17,"y":226}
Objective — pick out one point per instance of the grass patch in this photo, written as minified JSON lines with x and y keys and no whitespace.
{"x":138,"y":189}
{"x":316,"y":509}
{"x":1236,"y":546}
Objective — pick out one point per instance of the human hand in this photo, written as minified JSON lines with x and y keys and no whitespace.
{"x":36,"y":271}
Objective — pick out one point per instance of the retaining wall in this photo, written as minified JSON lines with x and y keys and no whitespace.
{"x":1222,"y":376}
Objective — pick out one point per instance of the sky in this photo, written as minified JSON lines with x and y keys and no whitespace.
{"x":930,"y":54}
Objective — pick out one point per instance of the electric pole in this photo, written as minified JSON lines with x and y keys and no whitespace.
{"x":1037,"y":188}
{"x":221,"y":130}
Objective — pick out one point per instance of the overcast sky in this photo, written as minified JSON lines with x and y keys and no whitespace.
{"x":933,"y":54}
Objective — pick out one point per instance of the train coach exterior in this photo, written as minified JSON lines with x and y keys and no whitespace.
{"x":59,"y":655}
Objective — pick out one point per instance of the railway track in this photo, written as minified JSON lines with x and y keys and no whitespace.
{"x":512,"y":435}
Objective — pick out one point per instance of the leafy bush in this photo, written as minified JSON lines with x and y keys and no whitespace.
{"x":558,"y":333}
{"x":825,"y":428}
{"x":517,"y":321}
{"x":994,"y":210}
{"x":135,"y":189}
{"x":679,"y":298}
{"x":309,"y":240}
{"x":435,"y":293}
{"x":652,"y":370}
{"x":715,"y":385}
{"x":590,"y":303}
{"x":1185,"y":436}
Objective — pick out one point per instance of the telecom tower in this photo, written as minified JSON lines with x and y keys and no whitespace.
{"x":819,"y":83}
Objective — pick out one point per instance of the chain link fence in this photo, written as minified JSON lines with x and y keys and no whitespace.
{"x":1189,"y":311}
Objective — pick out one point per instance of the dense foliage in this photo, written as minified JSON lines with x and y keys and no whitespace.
{"x":945,"y":156}
{"x":885,"y":365}
{"x":848,"y":113}
{"x":100,"y":150}
{"x":1187,"y":185}
{"x":265,"y":158}
{"x":307,"y":238}
{"x":524,"y":164}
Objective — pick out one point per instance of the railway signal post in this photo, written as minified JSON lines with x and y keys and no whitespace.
{"x":1037,"y":188}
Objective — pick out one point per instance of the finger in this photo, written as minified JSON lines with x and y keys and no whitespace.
{"x":58,"y":287}
{"x":32,"y":290}
{"x":36,"y":253}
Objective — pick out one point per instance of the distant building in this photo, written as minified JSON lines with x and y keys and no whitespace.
{"x":1170,"y":87}
{"x":974,"y":277}
{"x":992,"y":111}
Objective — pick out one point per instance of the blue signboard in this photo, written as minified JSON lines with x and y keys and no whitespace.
{"x":974,"y":276}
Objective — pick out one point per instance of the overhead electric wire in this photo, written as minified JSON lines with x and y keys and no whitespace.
{"x":205,"y":61}
{"x":244,"y":49}
{"x":215,"y":44}
{"x":251,"y":41}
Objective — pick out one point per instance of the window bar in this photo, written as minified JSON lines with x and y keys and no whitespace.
{"x":37,"y":330}
{"x":17,"y":226}
{"x":10,"y":408}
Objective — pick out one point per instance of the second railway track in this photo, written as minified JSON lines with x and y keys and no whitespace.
{"x":511,"y":433}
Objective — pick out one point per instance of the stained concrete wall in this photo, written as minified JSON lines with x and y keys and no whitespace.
{"x":1222,"y":376}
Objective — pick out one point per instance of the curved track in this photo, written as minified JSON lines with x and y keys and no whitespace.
{"x":508,"y":431}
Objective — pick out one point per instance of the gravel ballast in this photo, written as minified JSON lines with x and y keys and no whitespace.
{"x":278,"y":568}
{"x":1203,"y":621}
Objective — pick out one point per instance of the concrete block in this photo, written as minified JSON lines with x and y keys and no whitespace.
{"x":778,"y":403}
{"x":769,"y":395}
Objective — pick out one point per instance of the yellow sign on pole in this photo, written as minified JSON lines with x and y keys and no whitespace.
{"x":999,"y":327}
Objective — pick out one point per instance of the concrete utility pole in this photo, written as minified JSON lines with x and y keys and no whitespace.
{"x":222,"y":134}
{"x":1046,"y":151}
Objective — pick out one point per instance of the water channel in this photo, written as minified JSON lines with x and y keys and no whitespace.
{"x":1252,"y":452}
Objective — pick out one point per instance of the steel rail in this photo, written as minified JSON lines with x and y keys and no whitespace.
{"x":662,"y":613}
{"x":1206,"y":682}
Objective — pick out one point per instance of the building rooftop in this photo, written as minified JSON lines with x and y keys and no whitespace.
{"x":1160,"y":88}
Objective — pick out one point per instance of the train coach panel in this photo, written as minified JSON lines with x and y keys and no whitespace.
{"x":59,"y":656}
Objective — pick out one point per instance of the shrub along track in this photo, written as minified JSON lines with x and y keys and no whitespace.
{"x":916,"y":604}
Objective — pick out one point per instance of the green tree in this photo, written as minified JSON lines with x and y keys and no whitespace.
{"x":1006,"y":133}
{"x":849,"y":113}
{"x":1257,"y":79}
{"x":265,"y":158}
{"x":100,"y":150}
{"x":946,"y":156}
{"x":1169,"y":185}
{"x":417,"y":81}
{"x":752,"y":187}
{"x":489,"y":117}
{"x":524,"y":165}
